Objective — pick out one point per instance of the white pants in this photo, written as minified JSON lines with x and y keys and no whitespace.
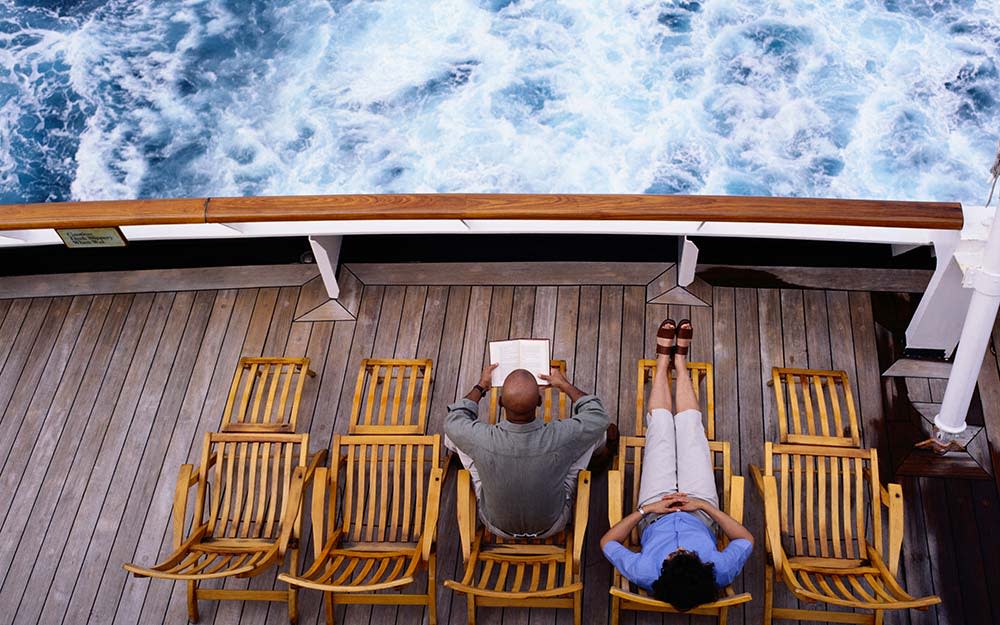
{"x":569,"y":485}
{"x":677,"y":459}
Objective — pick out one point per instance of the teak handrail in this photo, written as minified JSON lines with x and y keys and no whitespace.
{"x":741,"y":209}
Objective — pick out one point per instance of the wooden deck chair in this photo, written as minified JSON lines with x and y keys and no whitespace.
{"x":623,"y":493}
{"x":385,"y":532}
{"x":821,"y":505}
{"x":817,"y":402}
{"x":247,"y":515}
{"x":702,"y":375}
{"x":265,"y":395}
{"x":390,"y":396}
{"x":522,"y":573}
{"x":555,"y":404}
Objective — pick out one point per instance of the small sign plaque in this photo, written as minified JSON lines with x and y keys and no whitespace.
{"x":92,"y":237}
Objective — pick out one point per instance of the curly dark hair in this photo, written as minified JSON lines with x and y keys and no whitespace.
{"x":685,"y":581}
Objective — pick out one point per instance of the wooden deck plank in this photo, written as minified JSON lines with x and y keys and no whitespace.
{"x":410,"y":320}
{"x":748,"y":449}
{"x":89,"y":483}
{"x":115,"y":477}
{"x":95,"y":420}
{"x":24,"y":467}
{"x":14,"y":314}
{"x":140,"y":408}
{"x":45,"y":474}
{"x":23,"y":350}
{"x":968,"y":552}
{"x":147,"y":508}
{"x":522,"y":312}
{"x":944,"y":563}
{"x":201,"y":411}
{"x":48,"y":348}
{"x":567,"y":312}
{"x":869,"y":383}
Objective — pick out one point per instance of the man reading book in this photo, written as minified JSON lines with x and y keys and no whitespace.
{"x":524,"y":470}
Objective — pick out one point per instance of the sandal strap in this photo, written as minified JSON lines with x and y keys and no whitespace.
{"x":666,"y":351}
{"x":682,"y":349}
{"x":665,"y":332}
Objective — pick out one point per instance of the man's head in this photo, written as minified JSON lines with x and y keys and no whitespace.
{"x":685,"y":581}
{"x":520,"y":396}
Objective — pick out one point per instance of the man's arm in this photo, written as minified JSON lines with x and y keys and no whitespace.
{"x":560,"y":383}
{"x":463,"y":416}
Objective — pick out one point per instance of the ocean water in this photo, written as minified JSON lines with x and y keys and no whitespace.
{"x":842,"y":98}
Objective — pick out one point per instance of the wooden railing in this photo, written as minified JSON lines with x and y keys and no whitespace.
{"x":835,"y":212}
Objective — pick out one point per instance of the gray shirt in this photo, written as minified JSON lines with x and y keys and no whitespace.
{"x":522,"y":466}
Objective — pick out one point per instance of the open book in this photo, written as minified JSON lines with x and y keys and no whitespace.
{"x":530,"y":354}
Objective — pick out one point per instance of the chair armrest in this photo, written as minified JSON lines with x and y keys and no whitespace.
{"x":614,"y":497}
{"x":293,"y":511}
{"x":186,"y":478}
{"x":431,"y":512}
{"x":581,"y":515}
{"x":317,"y":459}
{"x":736,"y":498}
{"x":758,"y":478}
{"x":317,"y":504}
{"x":465,"y":500}
{"x":772,"y":526}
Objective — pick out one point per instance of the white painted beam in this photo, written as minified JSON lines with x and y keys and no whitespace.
{"x":326,"y":249}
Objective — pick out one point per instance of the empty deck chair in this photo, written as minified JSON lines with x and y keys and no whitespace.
{"x":554,"y":403}
{"x":247,"y":515}
{"x":265,"y":395}
{"x":821,"y":503}
{"x":537,"y":573}
{"x":813,"y":405}
{"x":702,"y":377}
{"x":384,"y":532}
{"x":390,"y":396}
{"x":623,"y":492}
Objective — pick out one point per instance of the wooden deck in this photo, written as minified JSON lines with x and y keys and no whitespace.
{"x":103,"y":396}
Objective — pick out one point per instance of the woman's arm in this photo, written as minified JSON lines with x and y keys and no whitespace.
{"x":729,"y":526}
{"x":621,"y":529}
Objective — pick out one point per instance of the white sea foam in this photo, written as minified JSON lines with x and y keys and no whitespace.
{"x":205,"y":97}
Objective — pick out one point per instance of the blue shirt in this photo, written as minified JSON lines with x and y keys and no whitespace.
{"x":673,"y":531}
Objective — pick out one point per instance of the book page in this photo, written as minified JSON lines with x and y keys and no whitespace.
{"x":505,"y":355}
{"x":530,"y":354}
{"x":535,"y":357}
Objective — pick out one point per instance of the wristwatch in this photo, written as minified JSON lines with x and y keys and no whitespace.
{"x":482,"y":391}
{"x":641,"y":511}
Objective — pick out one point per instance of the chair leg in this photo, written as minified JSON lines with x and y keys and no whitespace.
{"x":577,"y":607}
{"x":192,"y":601}
{"x":768,"y":593}
{"x":293,"y":605}
{"x":616,"y":610}
{"x":470,"y":608}
{"x":879,"y":617}
{"x":328,"y":607}
{"x":723,"y":615}
{"x":431,"y":592}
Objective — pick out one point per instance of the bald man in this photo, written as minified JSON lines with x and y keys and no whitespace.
{"x":524,"y":470}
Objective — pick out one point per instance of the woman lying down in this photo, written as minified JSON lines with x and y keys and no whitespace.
{"x":678,"y":503}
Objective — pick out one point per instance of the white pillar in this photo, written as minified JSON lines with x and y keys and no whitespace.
{"x":975,"y":338}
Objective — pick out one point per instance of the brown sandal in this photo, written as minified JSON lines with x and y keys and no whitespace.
{"x":684,"y":333}
{"x":665,"y":332}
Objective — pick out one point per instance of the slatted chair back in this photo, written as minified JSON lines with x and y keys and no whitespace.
{"x":703,"y":381}
{"x":825,"y":497}
{"x":385,"y":484}
{"x":390,"y":396}
{"x":265,"y":395}
{"x":555,"y":404}
{"x":244,"y":481}
{"x":629,"y":462}
{"x":815,"y":407}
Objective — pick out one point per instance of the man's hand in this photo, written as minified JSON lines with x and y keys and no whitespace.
{"x":673,"y":502}
{"x":556,"y":379}
{"x":486,"y":379}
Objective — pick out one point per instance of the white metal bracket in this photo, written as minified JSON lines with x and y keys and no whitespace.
{"x":983,"y":280}
{"x":326,"y":249}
